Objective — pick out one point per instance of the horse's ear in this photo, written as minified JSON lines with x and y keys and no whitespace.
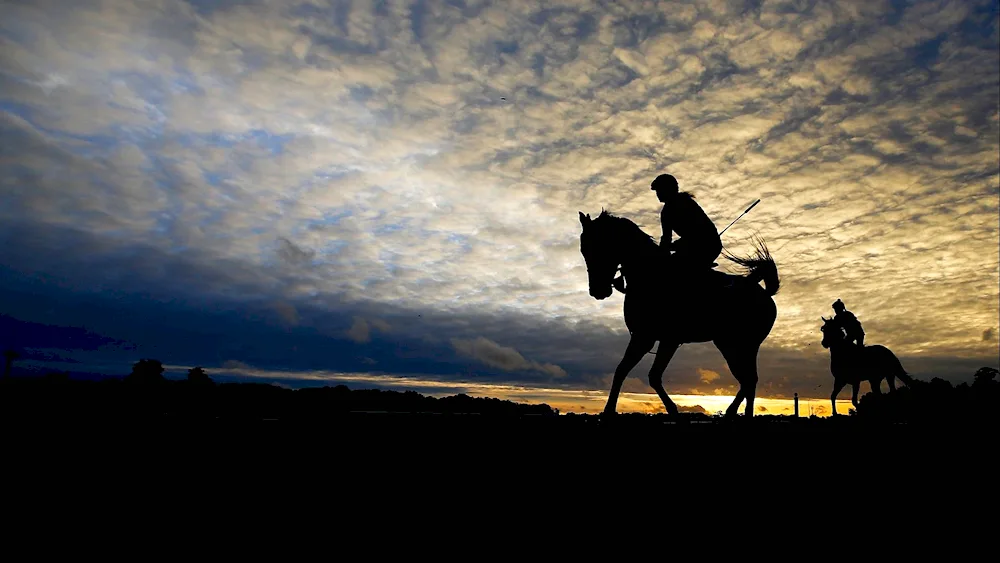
{"x":822,"y":317}
{"x":584,"y":219}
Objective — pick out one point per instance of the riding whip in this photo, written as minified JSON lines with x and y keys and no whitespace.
{"x":741,"y":215}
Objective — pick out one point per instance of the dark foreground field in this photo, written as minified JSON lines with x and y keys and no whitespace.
{"x":144,"y":427}
{"x":365,"y":468}
{"x":405,"y":444}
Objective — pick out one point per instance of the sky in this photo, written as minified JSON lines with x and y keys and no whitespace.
{"x":386,"y":194}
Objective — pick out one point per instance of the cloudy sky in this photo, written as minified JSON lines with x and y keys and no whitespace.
{"x":386,"y":193}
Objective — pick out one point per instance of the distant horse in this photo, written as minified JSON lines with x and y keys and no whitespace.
{"x":734,"y":312}
{"x":853,"y":364}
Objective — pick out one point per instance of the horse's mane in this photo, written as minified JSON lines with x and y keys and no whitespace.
{"x":627,"y":226}
{"x":829,"y":323}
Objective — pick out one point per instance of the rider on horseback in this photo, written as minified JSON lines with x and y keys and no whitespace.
{"x":693,"y":255}
{"x":701,"y":244}
{"x":850,"y":323}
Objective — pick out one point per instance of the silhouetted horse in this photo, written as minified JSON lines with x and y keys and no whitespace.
{"x":853,"y":364}
{"x":734,"y":312}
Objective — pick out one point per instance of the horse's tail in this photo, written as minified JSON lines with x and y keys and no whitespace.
{"x":901,"y":372}
{"x":905,"y":377}
{"x":760,"y":266}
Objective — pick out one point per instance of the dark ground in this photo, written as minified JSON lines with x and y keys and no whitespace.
{"x":369,"y":479}
{"x":387,"y":473}
{"x":365,"y":444}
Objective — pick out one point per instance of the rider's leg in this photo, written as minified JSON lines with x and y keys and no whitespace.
{"x":693,"y":267}
{"x":712,"y":251}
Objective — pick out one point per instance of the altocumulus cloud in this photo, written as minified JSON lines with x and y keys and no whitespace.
{"x":321,"y":161}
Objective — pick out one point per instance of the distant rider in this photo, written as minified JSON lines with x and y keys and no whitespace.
{"x":847,"y":321}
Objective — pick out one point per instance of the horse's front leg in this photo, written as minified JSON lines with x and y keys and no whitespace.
{"x":837,"y":386}
{"x":637,"y":348}
{"x":663,"y":355}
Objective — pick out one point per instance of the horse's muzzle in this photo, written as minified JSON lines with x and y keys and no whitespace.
{"x":600,"y":294}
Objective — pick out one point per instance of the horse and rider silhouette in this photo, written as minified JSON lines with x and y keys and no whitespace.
{"x":674,"y":296}
{"x":851,"y":361}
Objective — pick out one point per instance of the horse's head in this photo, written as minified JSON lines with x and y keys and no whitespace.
{"x":597,"y":246}
{"x":832,"y":334}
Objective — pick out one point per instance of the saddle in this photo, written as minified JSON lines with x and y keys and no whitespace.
{"x":693,"y":291}
{"x":704,"y":283}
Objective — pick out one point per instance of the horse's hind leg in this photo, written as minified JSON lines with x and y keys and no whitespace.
{"x":735,"y":405}
{"x":748,"y":381}
{"x":891,"y":380}
{"x":742,"y":360}
{"x":663,"y":355}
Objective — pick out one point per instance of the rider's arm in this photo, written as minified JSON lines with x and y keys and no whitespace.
{"x":666,"y":239}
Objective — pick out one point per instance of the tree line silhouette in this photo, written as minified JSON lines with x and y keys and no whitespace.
{"x":146,"y":393}
{"x":937,"y":401}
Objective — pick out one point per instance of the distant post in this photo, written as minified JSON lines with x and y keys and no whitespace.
{"x":796,"y":405}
